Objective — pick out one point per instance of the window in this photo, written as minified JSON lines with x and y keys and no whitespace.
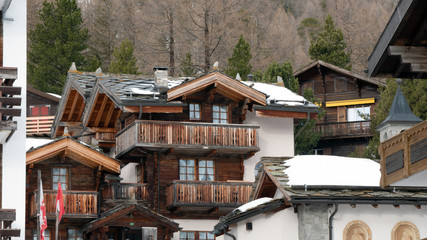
{"x":220,"y":114}
{"x":205,"y":169}
{"x":46,"y":234}
{"x":187,"y":235}
{"x":74,"y":234}
{"x":186,"y":170}
{"x":60,"y":174}
{"x":39,"y":110}
{"x":196,"y":236}
{"x":206,"y":236}
{"x":355,"y":113}
{"x":194,"y":110}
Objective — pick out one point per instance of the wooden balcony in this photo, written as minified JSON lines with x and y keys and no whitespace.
{"x":185,"y":136}
{"x":125,"y":192}
{"x":39,"y":125}
{"x":344,"y":129}
{"x":77,"y":204}
{"x":404,"y":154}
{"x":207,"y":194}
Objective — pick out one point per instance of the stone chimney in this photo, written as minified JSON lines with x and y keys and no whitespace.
{"x":161,"y":82}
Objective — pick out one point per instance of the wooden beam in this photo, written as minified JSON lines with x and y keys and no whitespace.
{"x":169,"y":151}
{"x":109,"y":114}
{"x":101,"y":109}
{"x":10,"y":101}
{"x":73,"y":104}
{"x":10,"y":90}
{"x":210,"y":153}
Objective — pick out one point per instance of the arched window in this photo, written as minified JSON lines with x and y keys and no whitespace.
{"x":405,"y":231}
{"x":357,"y":230}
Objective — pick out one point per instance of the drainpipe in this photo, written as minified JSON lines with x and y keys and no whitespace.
{"x":228,"y":234}
{"x":331,"y":227}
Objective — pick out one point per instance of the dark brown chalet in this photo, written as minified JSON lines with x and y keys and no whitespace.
{"x":41,"y":109}
{"x":93,"y":198}
{"x":185,"y":138}
{"x":344,"y":96}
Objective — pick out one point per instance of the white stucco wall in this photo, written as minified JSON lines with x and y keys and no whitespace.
{"x":380,"y":220}
{"x":15,"y":55}
{"x":128,"y":173}
{"x":276,"y":139}
{"x":196,"y":225}
{"x":416,"y":180}
{"x":279,"y":225}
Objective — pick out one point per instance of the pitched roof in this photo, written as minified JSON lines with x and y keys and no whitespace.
{"x":223,"y":84}
{"x":75,"y":150}
{"x":37,"y":92}
{"x":400,"y":112}
{"x":124,"y":210}
{"x":375,"y":81}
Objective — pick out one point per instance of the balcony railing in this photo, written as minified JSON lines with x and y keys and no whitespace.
{"x":39,"y":125}
{"x":344,"y":129}
{"x":80,"y":204}
{"x":158,"y":134}
{"x":209,"y":194}
{"x":126,"y":191}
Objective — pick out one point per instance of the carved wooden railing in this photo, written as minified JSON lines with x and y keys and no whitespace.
{"x":39,"y":125}
{"x":337,"y":129}
{"x":163,"y":133}
{"x":82,"y":204}
{"x":126,"y":191}
{"x":404,"y":154}
{"x":105,"y":136}
{"x":210,"y":194}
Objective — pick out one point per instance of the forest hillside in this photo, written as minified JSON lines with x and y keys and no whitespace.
{"x":165,"y":31}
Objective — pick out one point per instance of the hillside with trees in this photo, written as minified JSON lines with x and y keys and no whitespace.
{"x":166,"y":32}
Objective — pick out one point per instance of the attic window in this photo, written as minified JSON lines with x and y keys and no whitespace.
{"x":220,"y":113}
{"x":194,"y":111}
{"x":60,"y":174}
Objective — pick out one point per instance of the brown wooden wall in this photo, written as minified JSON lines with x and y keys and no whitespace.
{"x":35,"y":100}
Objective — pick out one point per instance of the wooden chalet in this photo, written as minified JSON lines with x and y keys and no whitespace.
{"x":401,"y":49}
{"x":343,"y":95}
{"x":41,"y":109}
{"x":185,"y":137}
{"x":92,"y":193}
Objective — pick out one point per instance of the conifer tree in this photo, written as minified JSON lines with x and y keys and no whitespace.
{"x":124,"y":59}
{"x":329,"y":46}
{"x":187,"y":66}
{"x":239,"y":61}
{"x":283,"y":70}
{"x":57,"y":41}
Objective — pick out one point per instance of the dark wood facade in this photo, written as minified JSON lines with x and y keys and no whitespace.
{"x":41,"y":109}
{"x":189,"y":143}
{"x":342,"y":95}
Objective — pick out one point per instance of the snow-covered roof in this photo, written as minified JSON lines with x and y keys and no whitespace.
{"x":36,"y":142}
{"x":278,"y":94}
{"x":332,"y":170}
{"x":55,"y":95}
{"x":253,"y":204}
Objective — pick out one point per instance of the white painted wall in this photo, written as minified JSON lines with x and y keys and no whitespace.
{"x":276,"y":139}
{"x":279,"y":225}
{"x":380,"y":220}
{"x":15,"y":55}
{"x":128,"y":173}
{"x":417,"y":180}
{"x":195,"y":225}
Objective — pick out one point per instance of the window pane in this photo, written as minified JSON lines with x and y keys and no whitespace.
{"x":191,"y":115}
{"x":211,"y":236}
{"x":210,"y":178}
{"x":63,"y":171}
{"x":197,"y":115}
{"x":202,"y":163}
{"x":55,"y":179}
{"x":191,"y":107}
{"x":210,"y":171}
{"x":190,"y":163}
{"x":223,"y":115}
{"x":182,"y":177}
{"x":197,"y":107}
{"x":190,"y":177}
{"x":215,"y":108}
{"x":202,"y":177}
{"x":63,"y":179}
{"x":210,"y":163}
{"x":223,"y":108}
{"x":183,"y":170}
{"x":215,"y":115}
{"x":202,"y":235}
{"x":56,"y":171}
{"x":183,"y":235}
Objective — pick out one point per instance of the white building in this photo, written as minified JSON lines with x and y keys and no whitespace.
{"x":327,"y":197}
{"x":14,"y":45}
